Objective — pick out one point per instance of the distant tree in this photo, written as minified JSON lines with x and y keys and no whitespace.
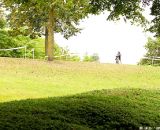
{"x":74,"y":58}
{"x":91,"y":58}
{"x":153,"y":50}
{"x":86,"y":58}
{"x":95,"y":57}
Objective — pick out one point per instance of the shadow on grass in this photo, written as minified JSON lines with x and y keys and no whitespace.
{"x":105,"y":109}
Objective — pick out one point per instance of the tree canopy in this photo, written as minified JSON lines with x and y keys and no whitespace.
{"x":2,"y":20}
{"x":155,"y":11}
{"x":33,"y":14}
{"x":127,"y":9}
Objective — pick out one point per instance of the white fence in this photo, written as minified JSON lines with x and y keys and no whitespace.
{"x":65,"y":55}
{"x":152,"y":59}
{"x":18,"y":48}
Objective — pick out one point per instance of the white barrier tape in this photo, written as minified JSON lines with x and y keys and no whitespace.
{"x":72,"y":54}
{"x":60,"y":56}
{"x":65,"y":55}
{"x":12,"y":49}
{"x":156,"y":58}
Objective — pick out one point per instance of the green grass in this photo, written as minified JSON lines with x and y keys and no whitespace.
{"x":22,"y":79}
{"x":99,"y":110}
{"x":49,"y":95}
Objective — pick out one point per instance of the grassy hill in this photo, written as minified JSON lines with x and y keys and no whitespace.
{"x":104,"y":109}
{"x":114,"y":96}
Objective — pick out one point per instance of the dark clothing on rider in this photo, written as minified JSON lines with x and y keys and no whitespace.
{"x":119,"y":56}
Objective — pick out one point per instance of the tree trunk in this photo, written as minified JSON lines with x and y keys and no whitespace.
{"x":50,"y":39}
{"x":46,"y":41}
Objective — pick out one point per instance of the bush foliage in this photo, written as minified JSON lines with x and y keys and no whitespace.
{"x":125,"y":109}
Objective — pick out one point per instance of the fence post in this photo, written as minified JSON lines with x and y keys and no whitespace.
{"x":153,"y":60}
{"x":25,"y":50}
{"x":33,"y":52}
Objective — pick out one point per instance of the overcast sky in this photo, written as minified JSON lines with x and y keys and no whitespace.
{"x":106,"y":38}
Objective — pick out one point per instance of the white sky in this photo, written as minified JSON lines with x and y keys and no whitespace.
{"x":106,"y":38}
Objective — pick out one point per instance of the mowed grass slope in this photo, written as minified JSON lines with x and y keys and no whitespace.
{"x":77,"y":96}
{"x":23,"y":79}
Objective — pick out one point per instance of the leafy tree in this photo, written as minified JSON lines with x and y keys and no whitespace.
{"x":153,"y":50}
{"x":126,"y":9}
{"x":91,"y":58}
{"x":2,"y":19}
{"x":36,"y":16}
{"x":9,"y":41}
{"x":74,"y":58}
{"x":95,"y":57}
{"x":155,"y":11}
{"x":86,"y":58}
{"x":54,"y":16}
